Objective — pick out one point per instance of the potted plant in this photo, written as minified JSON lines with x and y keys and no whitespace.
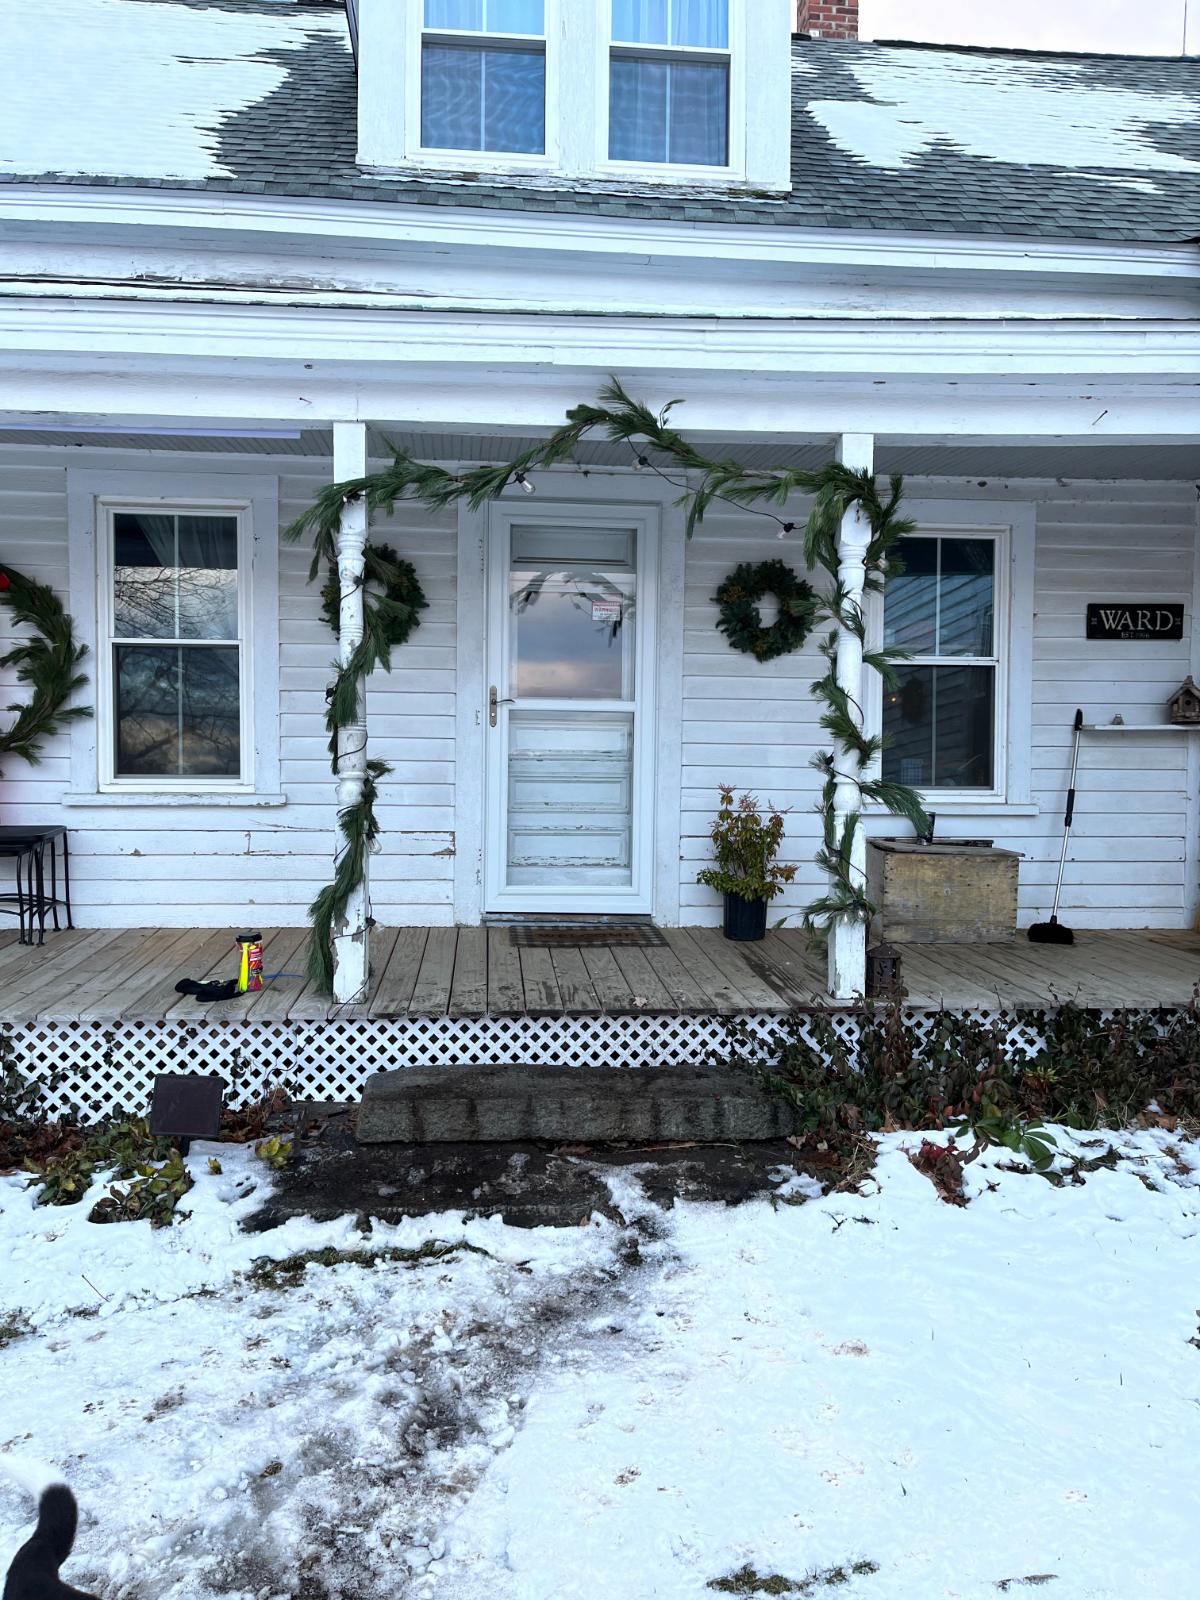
{"x":746,"y":871}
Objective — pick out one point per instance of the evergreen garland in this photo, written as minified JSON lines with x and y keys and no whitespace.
{"x":741,"y":621}
{"x":392,"y":602}
{"x":835,"y":489}
{"x":49,"y":663}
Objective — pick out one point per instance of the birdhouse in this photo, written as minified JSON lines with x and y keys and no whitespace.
{"x":1184,"y":705}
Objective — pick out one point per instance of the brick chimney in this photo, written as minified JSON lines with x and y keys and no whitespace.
{"x":827,"y":19}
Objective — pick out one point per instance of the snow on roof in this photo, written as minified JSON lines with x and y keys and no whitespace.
{"x":140,"y":88}
{"x":1048,"y":111}
{"x":259,"y":96}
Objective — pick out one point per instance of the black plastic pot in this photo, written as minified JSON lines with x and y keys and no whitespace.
{"x":744,"y":919}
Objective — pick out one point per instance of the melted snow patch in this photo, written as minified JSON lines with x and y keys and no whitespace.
{"x":111,"y":89}
{"x":1025,"y":112}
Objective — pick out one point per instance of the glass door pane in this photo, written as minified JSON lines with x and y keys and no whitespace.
{"x":572,"y":603}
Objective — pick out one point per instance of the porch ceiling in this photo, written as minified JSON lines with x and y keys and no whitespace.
{"x":1064,"y":458}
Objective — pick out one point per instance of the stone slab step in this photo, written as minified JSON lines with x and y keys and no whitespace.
{"x":584,"y":1105}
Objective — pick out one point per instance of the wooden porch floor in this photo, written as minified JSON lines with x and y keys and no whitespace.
{"x":129,"y":975}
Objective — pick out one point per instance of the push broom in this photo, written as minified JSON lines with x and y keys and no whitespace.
{"x":1053,"y":932}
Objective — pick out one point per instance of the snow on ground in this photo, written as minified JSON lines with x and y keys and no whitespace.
{"x":960,"y":1398}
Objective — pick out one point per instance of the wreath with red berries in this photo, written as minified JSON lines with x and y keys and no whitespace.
{"x":48,"y":662}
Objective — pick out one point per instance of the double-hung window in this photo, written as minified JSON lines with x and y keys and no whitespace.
{"x":943,"y":720}
{"x":669,"y":82}
{"x":483,"y":76}
{"x":173,"y":648}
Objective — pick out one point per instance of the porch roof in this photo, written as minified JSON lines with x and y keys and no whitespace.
{"x":129,"y":975}
{"x":896,"y":137}
{"x":1032,"y":459}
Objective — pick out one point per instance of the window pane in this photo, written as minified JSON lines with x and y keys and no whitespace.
{"x":178,"y":711}
{"x":910,"y":599}
{"x":144,"y":573}
{"x":668,"y":111}
{"x":698,"y":112}
{"x":683,"y":22}
{"x":572,"y":633}
{"x":174,"y":577}
{"x":640,"y":21}
{"x":938,"y":727}
{"x":967,"y":597}
{"x":492,"y":16}
{"x":490,"y":98}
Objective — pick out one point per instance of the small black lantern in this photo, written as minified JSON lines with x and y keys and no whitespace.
{"x":885,"y":977}
{"x":186,"y":1106}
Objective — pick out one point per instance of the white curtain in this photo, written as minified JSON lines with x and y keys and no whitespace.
{"x":703,"y":23}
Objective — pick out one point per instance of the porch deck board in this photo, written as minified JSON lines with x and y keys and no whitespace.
{"x":574,"y":983}
{"x":723,"y":995}
{"x":506,"y":992}
{"x":400,"y":974}
{"x":431,"y":992}
{"x":110,"y":976}
{"x":647,"y":990}
{"x":542,"y":997}
{"x":468,"y":986}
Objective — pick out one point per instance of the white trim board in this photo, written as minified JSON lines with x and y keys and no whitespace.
{"x":258,"y":495}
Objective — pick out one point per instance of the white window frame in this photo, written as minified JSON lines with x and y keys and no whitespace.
{"x":578,"y":42}
{"x":480,"y":160}
{"x":1012,"y":529}
{"x":93,"y":499}
{"x":734,"y":53}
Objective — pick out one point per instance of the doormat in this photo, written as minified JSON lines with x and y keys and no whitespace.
{"x":557,"y":935}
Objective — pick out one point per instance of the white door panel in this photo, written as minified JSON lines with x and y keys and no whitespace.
{"x":570,"y":735}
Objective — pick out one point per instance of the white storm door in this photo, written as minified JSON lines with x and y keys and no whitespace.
{"x":569,"y":718}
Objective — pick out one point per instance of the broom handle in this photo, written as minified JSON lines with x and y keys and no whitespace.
{"x":1069,"y":817}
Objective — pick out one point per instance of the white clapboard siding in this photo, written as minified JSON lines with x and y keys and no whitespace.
{"x":219,"y":865}
{"x":1132,"y":859}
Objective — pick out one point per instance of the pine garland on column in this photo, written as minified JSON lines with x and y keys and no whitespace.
{"x":654,"y":444}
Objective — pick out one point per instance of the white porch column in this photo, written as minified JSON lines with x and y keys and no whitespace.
{"x":350,"y":935}
{"x":848,"y":940}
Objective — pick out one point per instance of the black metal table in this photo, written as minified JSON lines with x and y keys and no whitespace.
{"x":28,"y":846}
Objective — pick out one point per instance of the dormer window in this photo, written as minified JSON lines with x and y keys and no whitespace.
{"x":649,"y":91}
{"x":483,"y":76}
{"x":669,"y":78}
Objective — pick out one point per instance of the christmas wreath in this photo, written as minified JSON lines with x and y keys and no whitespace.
{"x":741,"y":621}
{"x":48,"y":663}
{"x":395,"y":604}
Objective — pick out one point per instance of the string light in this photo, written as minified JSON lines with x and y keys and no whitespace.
{"x":524,"y":482}
{"x":641,"y":461}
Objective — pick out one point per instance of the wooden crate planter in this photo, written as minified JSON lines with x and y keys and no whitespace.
{"x":942,"y":893}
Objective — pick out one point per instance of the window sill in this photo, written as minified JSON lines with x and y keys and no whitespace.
{"x":944,"y":806}
{"x":111,"y":800}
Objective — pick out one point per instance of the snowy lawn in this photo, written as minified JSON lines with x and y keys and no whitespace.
{"x":873,"y":1395}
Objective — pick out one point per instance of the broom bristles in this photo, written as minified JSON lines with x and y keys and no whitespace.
{"x":1051,"y":932}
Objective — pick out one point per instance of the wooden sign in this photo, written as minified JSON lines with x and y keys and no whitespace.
{"x":1137,"y":621}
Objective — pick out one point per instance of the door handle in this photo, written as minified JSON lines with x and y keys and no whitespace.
{"x":494,"y":701}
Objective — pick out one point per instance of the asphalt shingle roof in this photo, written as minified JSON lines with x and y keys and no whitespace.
{"x":901,"y":137}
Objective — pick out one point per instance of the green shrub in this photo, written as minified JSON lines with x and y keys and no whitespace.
{"x":746,"y":848}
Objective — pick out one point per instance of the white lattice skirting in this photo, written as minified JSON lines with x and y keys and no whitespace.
{"x":90,"y":1070}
